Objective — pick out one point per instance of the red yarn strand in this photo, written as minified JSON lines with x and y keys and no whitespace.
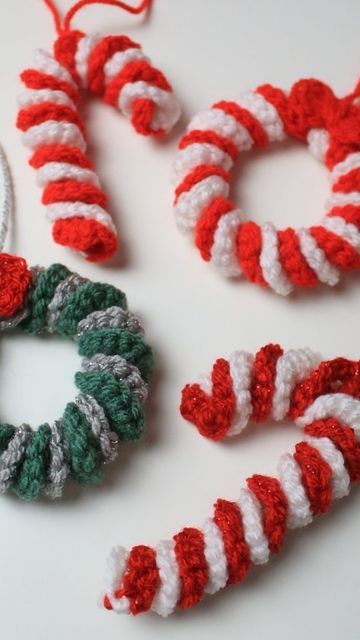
{"x":145,"y":4}
{"x":55,"y":13}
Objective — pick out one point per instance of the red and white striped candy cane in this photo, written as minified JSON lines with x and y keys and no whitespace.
{"x":115,"y":69}
{"x":280,"y":260}
{"x":324,"y":401}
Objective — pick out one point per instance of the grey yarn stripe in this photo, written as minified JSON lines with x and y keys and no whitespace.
{"x":122,"y":370}
{"x":62,"y":293}
{"x":11,"y":323}
{"x":13,"y":455}
{"x":58,"y":469}
{"x":111,"y":318}
{"x":99,"y":424}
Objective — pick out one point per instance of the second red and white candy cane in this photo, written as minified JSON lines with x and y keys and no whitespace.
{"x":323,"y":399}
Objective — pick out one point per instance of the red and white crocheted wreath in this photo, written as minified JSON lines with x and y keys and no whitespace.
{"x":323,"y":399}
{"x":282,"y":259}
{"x":113,"y":68}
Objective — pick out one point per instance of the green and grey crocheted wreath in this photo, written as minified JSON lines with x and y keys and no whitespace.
{"x":112,"y":383}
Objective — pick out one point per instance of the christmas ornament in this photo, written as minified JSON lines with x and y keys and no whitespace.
{"x":290,"y":258}
{"x":112,"y":383}
{"x":115,"y":69}
{"x":323,"y":399}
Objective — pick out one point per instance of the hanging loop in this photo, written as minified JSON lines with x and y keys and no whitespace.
{"x":6,"y":197}
{"x":66,"y":25}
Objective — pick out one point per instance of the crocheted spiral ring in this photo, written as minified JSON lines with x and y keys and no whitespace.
{"x":324,"y":400}
{"x":112,"y":383}
{"x":283,"y":259}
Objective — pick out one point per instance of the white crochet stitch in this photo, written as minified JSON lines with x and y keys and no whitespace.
{"x":272,"y":270}
{"x":316,"y":258}
{"x":223,"y":248}
{"x":195,"y":154}
{"x":352,"y":161}
{"x":189,"y":205}
{"x":84,"y":47}
{"x":47,"y":64}
{"x":241,"y":364}
{"x":168,"y":594}
{"x":63,"y":210}
{"x":215,"y":557}
{"x":265,"y":113}
{"x":224,"y":125}
{"x":253,"y":528}
{"x":298,"y":503}
{"x":167,"y":110}
{"x":54,"y":171}
{"x":54,"y":132}
{"x":30,"y":97}
{"x":117,"y":62}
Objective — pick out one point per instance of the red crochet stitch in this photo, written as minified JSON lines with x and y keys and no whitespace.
{"x":15,"y":279}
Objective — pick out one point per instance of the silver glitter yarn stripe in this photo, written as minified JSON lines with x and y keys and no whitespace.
{"x":59,"y":468}
{"x":11,"y":323}
{"x":111,"y":318}
{"x":125,"y":372}
{"x":62,"y":294}
{"x":10,"y":459}
{"x":95,"y":416}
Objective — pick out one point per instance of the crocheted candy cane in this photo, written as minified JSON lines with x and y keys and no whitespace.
{"x":325,"y":403}
{"x":114,"y":68}
{"x":282,"y":259}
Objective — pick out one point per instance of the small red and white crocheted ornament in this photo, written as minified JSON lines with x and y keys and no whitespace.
{"x":234,"y":245}
{"x":115,"y":69}
{"x":323,"y":400}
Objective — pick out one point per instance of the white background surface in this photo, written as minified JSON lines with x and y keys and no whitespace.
{"x":52,"y":555}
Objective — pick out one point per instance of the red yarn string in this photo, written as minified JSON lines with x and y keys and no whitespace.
{"x":65,"y":26}
{"x":55,"y":13}
{"x":115,"y":3}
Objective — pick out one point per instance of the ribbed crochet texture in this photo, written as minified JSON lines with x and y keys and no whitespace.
{"x":323,"y":399}
{"x":115,"y":69}
{"x":277,"y":259}
{"x":112,"y":384}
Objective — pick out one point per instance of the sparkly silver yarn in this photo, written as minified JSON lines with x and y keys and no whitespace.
{"x":62,"y":293}
{"x":113,"y":318}
{"x":121,"y":369}
{"x":12,"y":457}
{"x":95,"y":416}
{"x":59,"y":466}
